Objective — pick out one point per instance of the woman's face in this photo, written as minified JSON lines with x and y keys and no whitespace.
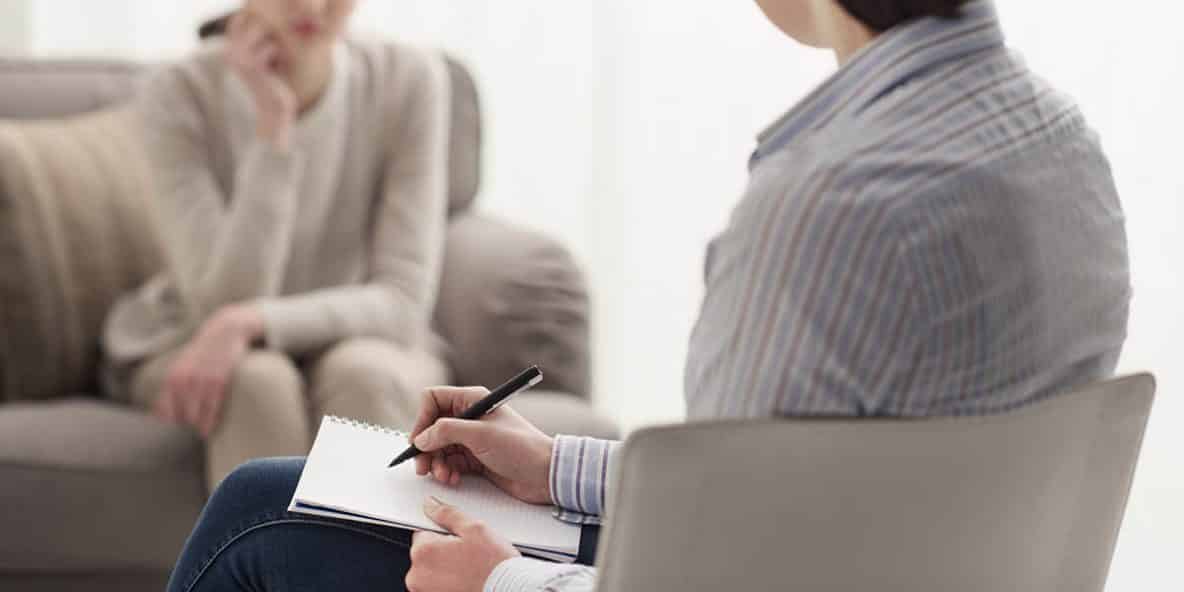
{"x":303,"y":26}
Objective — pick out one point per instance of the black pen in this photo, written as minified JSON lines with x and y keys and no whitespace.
{"x":525,"y":379}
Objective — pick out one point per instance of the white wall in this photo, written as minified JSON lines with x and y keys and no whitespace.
{"x":1126,"y":67}
{"x":15,"y":19}
{"x":624,"y":126}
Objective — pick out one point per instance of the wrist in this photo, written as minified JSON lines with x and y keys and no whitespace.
{"x":548,"y":461}
{"x":243,"y":321}
{"x":275,"y":130}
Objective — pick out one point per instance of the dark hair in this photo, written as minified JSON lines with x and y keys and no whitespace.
{"x":881,"y":15}
{"x":214,"y":27}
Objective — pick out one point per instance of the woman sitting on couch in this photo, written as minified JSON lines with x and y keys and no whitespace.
{"x":302,"y":196}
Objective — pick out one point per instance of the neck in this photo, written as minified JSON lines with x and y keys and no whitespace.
{"x":841,"y":32}
{"x":309,"y":77}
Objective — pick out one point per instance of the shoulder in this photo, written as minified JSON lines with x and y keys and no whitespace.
{"x":812,"y":203}
{"x":191,"y":85}
{"x":394,"y":71}
{"x":929,"y":134}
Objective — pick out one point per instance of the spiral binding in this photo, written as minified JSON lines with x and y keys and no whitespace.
{"x":366,"y":426}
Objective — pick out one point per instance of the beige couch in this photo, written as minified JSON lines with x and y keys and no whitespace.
{"x":96,"y":496}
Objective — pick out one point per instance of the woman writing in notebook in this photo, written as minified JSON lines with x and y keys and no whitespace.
{"x":933,"y":231}
{"x":301,"y":193}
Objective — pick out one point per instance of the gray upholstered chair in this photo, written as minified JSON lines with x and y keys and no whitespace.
{"x":96,"y":496}
{"x":1029,"y":500}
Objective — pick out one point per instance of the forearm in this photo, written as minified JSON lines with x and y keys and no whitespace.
{"x":249,"y":251}
{"x":523,"y":574}
{"x":306,"y":322}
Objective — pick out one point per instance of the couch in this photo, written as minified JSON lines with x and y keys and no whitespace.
{"x":97,"y":496}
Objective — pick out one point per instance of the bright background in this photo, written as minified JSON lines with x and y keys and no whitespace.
{"x":623,"y":126}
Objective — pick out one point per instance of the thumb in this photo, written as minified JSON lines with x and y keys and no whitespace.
{"x":450,"y":431}
{"x":448,"y":517}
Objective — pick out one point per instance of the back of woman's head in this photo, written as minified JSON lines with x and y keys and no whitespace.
{"x":881,"y":15}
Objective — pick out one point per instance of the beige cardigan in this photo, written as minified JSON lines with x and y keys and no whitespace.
{"x":341,"y":236}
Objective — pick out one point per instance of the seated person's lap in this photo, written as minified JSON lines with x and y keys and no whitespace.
{"x":246,"y":537}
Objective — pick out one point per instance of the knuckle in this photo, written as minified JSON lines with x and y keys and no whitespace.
{"x":446,"y":513}
{"x":418,"y":552}
{"x":444,"y":428}
{"x":476,"y":529}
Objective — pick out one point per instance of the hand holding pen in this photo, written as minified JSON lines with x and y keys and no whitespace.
{"x":502,"y":445}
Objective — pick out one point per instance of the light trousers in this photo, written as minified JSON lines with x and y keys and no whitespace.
{"x":274,"y":403}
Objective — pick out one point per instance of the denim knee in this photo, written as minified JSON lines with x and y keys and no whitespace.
{"x":257,"y":487}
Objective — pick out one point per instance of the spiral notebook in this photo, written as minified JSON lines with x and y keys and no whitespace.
{"x":346,"y":477}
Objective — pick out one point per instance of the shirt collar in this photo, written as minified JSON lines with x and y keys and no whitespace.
{"x":890,"y":60}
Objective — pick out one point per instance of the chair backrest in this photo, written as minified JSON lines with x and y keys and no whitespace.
{"x":1028,"y":500}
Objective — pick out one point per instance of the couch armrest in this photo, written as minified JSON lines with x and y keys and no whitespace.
{"x":511,"y":297}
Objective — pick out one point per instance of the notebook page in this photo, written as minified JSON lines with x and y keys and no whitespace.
{"x":347,"y":470}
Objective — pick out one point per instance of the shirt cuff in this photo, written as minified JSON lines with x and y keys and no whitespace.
{"x":579,"y":477}
{"x":289,"y":325}
{"x":522,"y":574}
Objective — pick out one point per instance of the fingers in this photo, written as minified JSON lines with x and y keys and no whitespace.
{"x":424,"y":537}
{"x":251,"y":44}
{"x":440,"y":402}
{"x":448,"y":517}
{"x":429,"y":410}
{"x":423,"y":464}
{"x":440,"y":470}
{"x":450,"y":431}
{"x":456,"y":462}
{"x":211,"y":406}
{"x":165,"y":406}
{"x":462,"y":398}
{"x":192,"y":398}
{"x":444,"y":401}
{"x":189,"y":402}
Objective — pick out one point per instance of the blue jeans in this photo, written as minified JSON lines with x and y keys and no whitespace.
{"x":246,"y":539}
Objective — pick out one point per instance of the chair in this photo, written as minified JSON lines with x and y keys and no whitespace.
{"x":1028,"y":500}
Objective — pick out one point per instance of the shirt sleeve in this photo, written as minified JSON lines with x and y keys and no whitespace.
{"x":397,"y":300}
{"x":220,"y":250}
{"x":580,"y":472}
{"x":523,"y":574}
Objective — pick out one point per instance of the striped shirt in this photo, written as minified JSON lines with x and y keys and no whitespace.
{"x":933,"y":231}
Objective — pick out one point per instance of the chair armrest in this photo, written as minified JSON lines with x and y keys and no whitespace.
{"x":510,"y":297}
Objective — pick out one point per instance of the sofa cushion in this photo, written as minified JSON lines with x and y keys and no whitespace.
{"x":74,"y":235}
{"x":464,"y":151}
{"x":509,"y":298}
{"x":560,"y":413}
{"x":93,"y":486}
{"x":39,"y":89}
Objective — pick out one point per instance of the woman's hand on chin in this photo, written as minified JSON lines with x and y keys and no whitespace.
{"x":253,"y":53}
{"x":198,"y":379}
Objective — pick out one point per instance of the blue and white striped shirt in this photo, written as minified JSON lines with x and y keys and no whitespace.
{"x":933,"y":231}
